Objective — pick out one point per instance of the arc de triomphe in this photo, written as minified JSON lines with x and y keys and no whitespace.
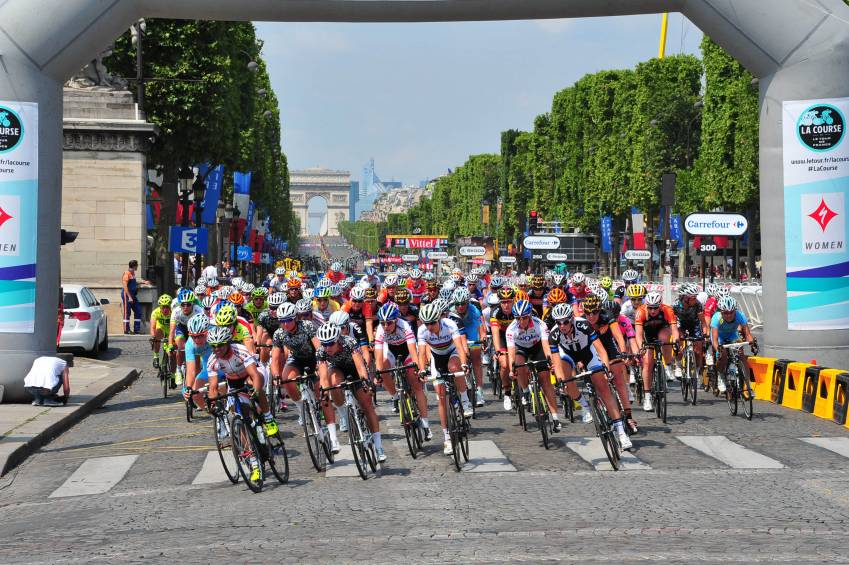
{"x":333,"y":186}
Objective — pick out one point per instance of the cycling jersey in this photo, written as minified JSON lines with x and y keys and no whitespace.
{"x":689,"y":317}
{"x":232,"y":366}
{"x":628,"y":310}
{"x":418,"y":288}
{"x":528,"y":337}
{"x":412,"y":315}
{"x":335,"y":276}
{"x":537,"y":299}
{"x":578,"y":295}
{"x":255,"y":311}
{"x":469,"y":323}
{"x":710,"y":307}
{"x":162,"y":321}
{"x":202,"y":354}
{"x":356,"y":316}
{"x":728,"y":332}
{"x":180,"y":319}
{"x":299,"y":342}
{"x":269,"y":322}
{"x":441,"y":342}
{"x":500,"y":319}
{"x":331,"y":308}
{"x":626,"y":327}
{"x":241,"y":333}
{"x":602,"y":326}
{"x":653,"y":324}
{"x":577,"y":347}
{"x":358,"y":334}
{"x":401,"y":335}
{"x":619,"y":292}
{"x":343,"y":360}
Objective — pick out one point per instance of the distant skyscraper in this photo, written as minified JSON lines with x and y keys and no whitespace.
{"x":353,"y":198}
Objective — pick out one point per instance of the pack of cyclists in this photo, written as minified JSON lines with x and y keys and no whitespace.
{"x":233,"y":333}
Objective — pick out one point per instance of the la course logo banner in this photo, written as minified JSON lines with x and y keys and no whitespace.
{"x":821,"y":127}
{"x":11,"y":129}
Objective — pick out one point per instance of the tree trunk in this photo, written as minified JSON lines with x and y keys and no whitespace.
{"x":167,"y":218}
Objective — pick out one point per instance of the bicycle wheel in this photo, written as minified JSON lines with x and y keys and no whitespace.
{"x":639,"y":391}
{"x":190,"y":409}
{"x":463,"y":439}
{"x":603,"y":430}
{"x":543,"y":419}
{"x":685,"y":381}
{"x":746,"y":392}
{"x":245,"y":450}
{"x":692,"y":375}
{"x":165,"y":380}
{"x":568,"y":408}
{"x":409,"y":424}
{"x":453,"y":433}
{"x":223,"y":444}
{"x":471,"y":391}
{"x":277,"y":458}
{"x":311,"y":435}
{"x":731,"y":395}
{"x":357,"y":447}
{"x":271,"y":394}
{"x":520,"y":408}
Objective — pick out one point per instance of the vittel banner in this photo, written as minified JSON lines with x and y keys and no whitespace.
{"x":816,"y":190}
{"x":18,"y":215}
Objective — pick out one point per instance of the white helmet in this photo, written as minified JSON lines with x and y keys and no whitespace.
{"x":654,"y":298}
{"x":286,"y":311}
{"x":339,"y":318}
{"x":578,"y":278}
{"x":328,"y":333}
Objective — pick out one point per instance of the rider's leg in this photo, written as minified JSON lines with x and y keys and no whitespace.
{"x":602,"y":388}
{"x":477,"y":366}
{"x":620,"y":380}
{"x":418,"y":393}
{"x":548,"y":393}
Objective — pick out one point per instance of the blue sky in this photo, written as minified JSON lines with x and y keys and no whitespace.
{"x":420,"y":98}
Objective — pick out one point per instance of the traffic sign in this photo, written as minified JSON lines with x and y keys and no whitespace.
{"x":555,"y":257}
{"x":638,"y":255}
{"x":411,"y":258}
{"x":188,"y":240}
{"x":507,"y":259}
{"x":472,"y":251}
{"x":438,"y":255}
{"x":716,"y":223}
{"x":541,"y":242}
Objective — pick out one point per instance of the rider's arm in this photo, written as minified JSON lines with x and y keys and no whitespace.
{"x":171,"y":331}
{"x":360,"y":364}
{"x":601,"y":351}
{"x":254,"y":377}
{"x":617,"y":336}
{"x":638,"y":333}
{"x":461,"y":345}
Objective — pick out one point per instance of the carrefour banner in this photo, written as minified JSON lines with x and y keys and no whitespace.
{"x":816,"y":189}
{"x":18,"y":215}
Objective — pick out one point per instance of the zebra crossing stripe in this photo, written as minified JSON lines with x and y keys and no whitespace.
{"x":732,"y":454}
{"x":838,"y":445}
{"x":485,"y":457}
{"x":343,"y":464}
{"x":212,"y":471}
{"x":591,"y":450}
{"x":95,"y":476}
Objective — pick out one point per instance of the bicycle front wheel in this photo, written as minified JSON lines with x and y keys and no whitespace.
{"x":311,"y":435}
{"x":246,"y":453}
{"x":357,"y":448}
{"x":746,"y":392}
{"x":454,"y":434}
{"x":221,"y":430}
{"x":165,"y":379}
{"x":409,"y":423}
{"x":731,"y":395}
{"x":692,"y":375}
{"x":603,"y":430}
{"x":278,"y":459}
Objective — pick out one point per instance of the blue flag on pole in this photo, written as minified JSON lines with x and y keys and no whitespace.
{"x":606,"y":229}
{"x":675,"y":229}
{"x":214,"y":180}
{"x":250,"y":219}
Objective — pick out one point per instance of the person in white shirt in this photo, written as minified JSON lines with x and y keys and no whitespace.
{"x":45,"y":378}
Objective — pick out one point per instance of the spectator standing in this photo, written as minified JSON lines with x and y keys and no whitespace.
{"x":45,"y":378}
{"x":129,"y":297}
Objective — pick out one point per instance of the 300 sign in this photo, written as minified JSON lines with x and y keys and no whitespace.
{"x":707,"y":248}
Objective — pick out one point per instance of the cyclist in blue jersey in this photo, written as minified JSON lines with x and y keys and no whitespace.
{"x":729,"y":325}
{"x":471,"y":324}
{"x":197,"y":355}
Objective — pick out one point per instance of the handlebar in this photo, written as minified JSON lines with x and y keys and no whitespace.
{"x":736,"y":345}
{"x":533,"y":363}
{"x":397,"y":369}
{"x":585,"y":375}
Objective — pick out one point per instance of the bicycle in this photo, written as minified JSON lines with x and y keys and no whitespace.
{"x":190,"y":402}
{"x":223,"y":441}
{"x":408,"y":410}
{"x":312,"y":421}
{"x":691,"y":370}
{"x":165,"y":371}
{"x":493,"y":371}
{"x":472,"y":382}
{"x":362,"y":442}
{"x":658,"y":384}
{"x":601,"y":419}
{"x":639,"y":391}
{"x":456,"y":423}
{"x":517,"y":397}
{"x":538,"y":405}
{"x":251,"y":445}
{"x":738,"y":386}
{"x":270,"y":386}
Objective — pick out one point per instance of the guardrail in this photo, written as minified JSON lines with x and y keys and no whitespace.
{"x":747,"y":295}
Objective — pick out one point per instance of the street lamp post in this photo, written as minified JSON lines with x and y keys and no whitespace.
{"x":199,"y":189}
{"x":186,"y":175}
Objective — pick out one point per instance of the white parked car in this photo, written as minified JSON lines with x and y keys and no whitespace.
{"x":85,"y":320}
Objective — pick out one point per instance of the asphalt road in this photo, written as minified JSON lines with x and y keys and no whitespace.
{"x":128,"y":484}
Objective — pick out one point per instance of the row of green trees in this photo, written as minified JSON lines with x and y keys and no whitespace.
{"x":603,"y":148}
{"x":210,"y":107}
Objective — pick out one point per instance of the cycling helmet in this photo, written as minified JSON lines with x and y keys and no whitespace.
{"x":522,"y":308}
{"x":200,"y":289}
{"x":198,"y":324}
{"x":442,"y":304}
{"x":237,"y":298}
{"x":370,"y":271}
{"x":279,"y":271}
{"x":323,"y":292}
{"x":336,"y":266}
{"x":276,"y":299}
{"x":654,"y":298}
{"x":591,"y":304}
{"x":358,"y":294}
{"x":521,"y":295}
{"x":335,"y":290}
{"x":630,"y":276}
{"x":721,"y":291}
{"x":461,"y":296}
{"x":431,"y":285}
{"x":237,"y":281}
{"x":401,"y":272}
{"x":219,"y":335}
{"x":556,"y":296}
{"x":636,"y":290}
{"x":557,"y":279}
{"x":222,"y":293}
{"x":563,"y":312}
{"x":578,"y":278}
{"x":328,"y":334}
{"x":430,"y":313}
{"x":446,"y":293}
{"x":402,"y":296}
{"x":506,"y":293}
{"x":711,"y":289}
{"x":371,"y":293}
{"x":613,"y":307}
{"x":324,"y":282}
{"x":415,"y":274}
{"x":201,"y":281}
{"x":689,"y":289}
{"x":601,"y":294}
{"x":287,"y":311}
{"x":186,"y":296}
{"x":211,"y":283}
{"x":247,"y":288}
{"x":457,"y":278}
{"x":226,"y":315}
{"x":726,"y":304}
{"x":339,"y":318}
{"x":402,"y":282}
{"x":259,"y":292}
{"x":390,"y":281}
{"x":165,"y":300}
{"x":605,"y":282}
{"x":537,"y":281}
{"x":208,"y":302}
{"x":304,"y":305}
{"x":473,"y":278}
{"x":496,"y":283}
{"x":293,"y":283}
{"x":388,"y":312}
{"x":492,"y":299}
{"x":450,"y":285}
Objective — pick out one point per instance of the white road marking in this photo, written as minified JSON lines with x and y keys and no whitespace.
{"x":343,"y":464}
{"x":212,"y":471}
{"x":95,"y":476}
{"x":732,"y":454}
{"x":590,"y":450}
{"x":838,"y":445}
{"x":485,"y":457}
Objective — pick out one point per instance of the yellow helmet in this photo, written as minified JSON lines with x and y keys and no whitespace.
{"x":226,"y":316}
{"x":635,"y":291}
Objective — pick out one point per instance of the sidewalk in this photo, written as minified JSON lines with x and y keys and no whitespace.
{"x":25,"y":428}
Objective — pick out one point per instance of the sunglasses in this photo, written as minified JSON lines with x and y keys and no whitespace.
{"x":564,"y":322}
{"x":524,"y":317}
{"x":198,"y":335}
{"x":593,"y":313}
{"x":653,"y":307}
{"x":286,"y":320}
{"x":431,"y":323}
{"x":218,"y":345}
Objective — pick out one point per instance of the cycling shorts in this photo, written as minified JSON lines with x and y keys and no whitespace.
{"x":532,"y":353}
{"x":182,"y":331}
{"x":396,"y":352}
{"x":302,"y":364}
{"x":692,"y":329}
{"x":439,"y":363}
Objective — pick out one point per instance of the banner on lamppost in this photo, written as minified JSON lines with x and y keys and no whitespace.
{"x":214,"y":180}
{"x":675,"y":229}
{"x":639,"y":226}
{"x":249,"y":219}
{"x":606,"y":232}
{"x":242,"y":191}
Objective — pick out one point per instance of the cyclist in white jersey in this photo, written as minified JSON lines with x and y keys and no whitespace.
{"x":441,"y":350}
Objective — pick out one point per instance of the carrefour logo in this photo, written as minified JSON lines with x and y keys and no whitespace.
{"x":11,"y":129}
{"x":716,"y":224}
{"x":821,"y":127}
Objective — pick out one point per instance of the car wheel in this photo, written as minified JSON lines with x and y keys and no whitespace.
{"x":94,"y":344}
{"x":104,"y":345}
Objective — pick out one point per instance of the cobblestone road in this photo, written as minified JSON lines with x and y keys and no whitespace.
{"x":780,"y":494}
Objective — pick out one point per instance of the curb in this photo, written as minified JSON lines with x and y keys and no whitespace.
{"x":15,"y":452}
